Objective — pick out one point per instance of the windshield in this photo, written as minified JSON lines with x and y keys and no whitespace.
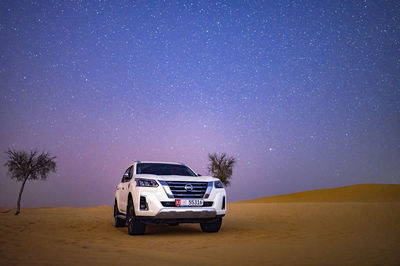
{"x":163,"y":169}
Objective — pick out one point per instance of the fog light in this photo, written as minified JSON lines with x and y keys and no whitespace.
{"x":143,"y":203}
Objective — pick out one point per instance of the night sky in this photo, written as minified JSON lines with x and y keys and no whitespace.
{"x":304,"y":94}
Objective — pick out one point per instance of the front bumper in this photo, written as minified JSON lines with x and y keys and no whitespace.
{"x":184,"y":213}
{"x":154,"y":220}
{"x":156,"y":210}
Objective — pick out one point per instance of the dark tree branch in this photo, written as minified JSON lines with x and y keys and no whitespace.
{"x":221,"y":166}
{"x":23,"y":166}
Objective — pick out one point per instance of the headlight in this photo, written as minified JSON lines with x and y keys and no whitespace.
{"x":218,"y":184}
{"x":140,"y":182}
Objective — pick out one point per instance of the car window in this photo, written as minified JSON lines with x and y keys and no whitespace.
{"x":127,"y":172}
{"x":163,"y":169}
{"x":130,"y":172}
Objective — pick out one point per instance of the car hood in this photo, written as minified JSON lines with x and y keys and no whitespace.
{"x":180,"y":178}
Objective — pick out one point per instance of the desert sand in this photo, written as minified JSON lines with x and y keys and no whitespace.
{"x":356,"y":225}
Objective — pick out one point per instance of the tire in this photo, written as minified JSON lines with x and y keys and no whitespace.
{"x":135,"y":227}
{"x":173,"y":224}
{"x":212,"y":227}
{"x":118,"y":222}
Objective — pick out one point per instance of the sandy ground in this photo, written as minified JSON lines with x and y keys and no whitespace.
{"x":355,"y":193}
{"x":305,"y":233}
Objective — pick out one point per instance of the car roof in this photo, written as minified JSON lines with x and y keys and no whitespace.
{"x":158,"y":162}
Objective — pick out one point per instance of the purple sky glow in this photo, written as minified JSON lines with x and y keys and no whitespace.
{"x":305,"y":94}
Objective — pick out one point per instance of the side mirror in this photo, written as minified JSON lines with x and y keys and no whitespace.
{"x":126,"y":176}
{"x":198,"y":174}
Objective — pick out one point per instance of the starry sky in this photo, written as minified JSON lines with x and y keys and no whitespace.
{"x":305,"y":94}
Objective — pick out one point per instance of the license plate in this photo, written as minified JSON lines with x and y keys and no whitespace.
{"x":188,"y":202}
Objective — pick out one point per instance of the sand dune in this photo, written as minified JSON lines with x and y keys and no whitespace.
{"x":355,"y":193}
{"x":305,"y":233}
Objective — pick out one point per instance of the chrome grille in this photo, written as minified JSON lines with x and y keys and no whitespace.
{"x":179,"y":191}
{"x":172,"y":204}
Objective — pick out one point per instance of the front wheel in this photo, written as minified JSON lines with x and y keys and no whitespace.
{"x":211,"y":227}
{"x":135,"y":227}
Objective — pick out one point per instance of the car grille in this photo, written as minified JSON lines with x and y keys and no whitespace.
{"x":172,"y":204}
{"x":179,"y":191}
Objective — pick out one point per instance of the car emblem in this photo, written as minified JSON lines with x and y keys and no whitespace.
{"x":189,"y":187}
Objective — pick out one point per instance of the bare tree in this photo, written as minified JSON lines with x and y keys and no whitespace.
{"x":220,"y":166}
{"x":23,"y":166}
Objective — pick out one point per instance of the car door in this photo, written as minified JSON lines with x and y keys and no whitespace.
{"x":123,"y":189}
{"x":119,"y":194}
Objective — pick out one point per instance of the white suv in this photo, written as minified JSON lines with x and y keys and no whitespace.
{"x":170,"y":193}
